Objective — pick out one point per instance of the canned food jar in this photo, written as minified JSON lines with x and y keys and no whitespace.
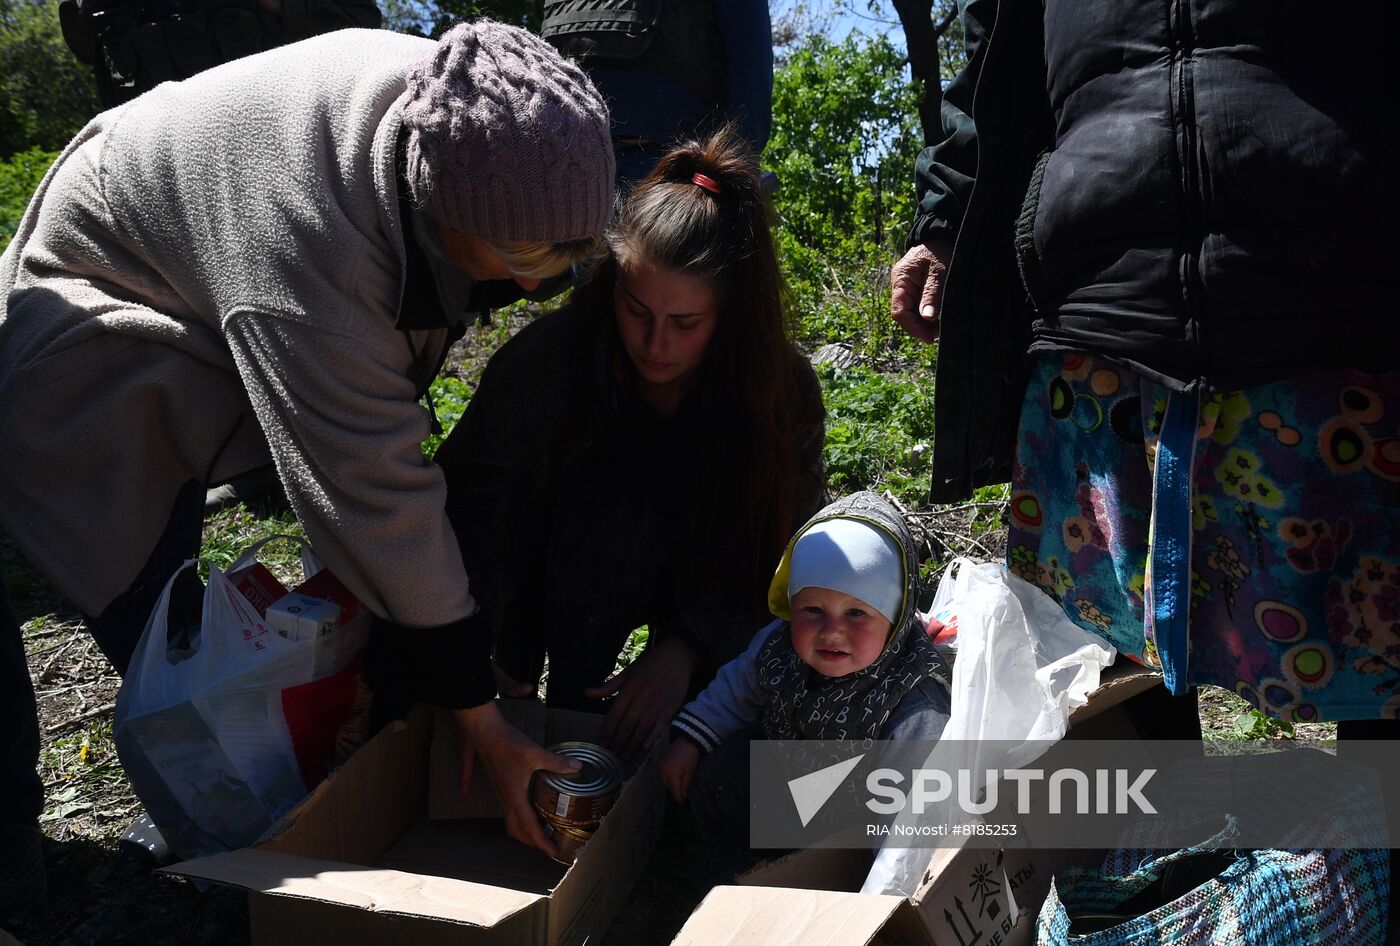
{"x":579,"y":800}
{"x":568,"y":840}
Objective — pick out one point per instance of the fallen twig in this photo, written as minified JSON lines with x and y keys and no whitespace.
{"x":61,"y":690}
{"x":945,"y":536}
{"x":936,"y":547}
{"x":82,"y":718}
{"x":63,"y":628}
{"x":43,"y":675}
{"x":969,"y":506}
{"x":837,"y":279}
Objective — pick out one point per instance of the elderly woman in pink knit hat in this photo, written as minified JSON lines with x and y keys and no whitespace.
{"x":266,"y":264}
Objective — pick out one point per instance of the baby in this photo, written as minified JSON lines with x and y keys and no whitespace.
{"x":848,"y":659}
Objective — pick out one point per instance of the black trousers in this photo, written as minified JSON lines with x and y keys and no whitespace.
{"x":596,"y":585}
{"x":117,"y":631}
{"x":602,"y":565}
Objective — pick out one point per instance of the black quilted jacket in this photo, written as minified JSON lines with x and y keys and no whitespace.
{"x":1203,"y":190}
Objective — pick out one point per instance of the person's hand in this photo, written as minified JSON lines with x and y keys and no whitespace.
{"x":916,"y":288}
{"x":678,"y":765}
{"x":511,"y":758}
{"x":508,"y":686}
{"x":649,"y":692}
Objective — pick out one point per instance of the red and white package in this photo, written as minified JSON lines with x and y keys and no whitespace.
{"x":259,"y":586}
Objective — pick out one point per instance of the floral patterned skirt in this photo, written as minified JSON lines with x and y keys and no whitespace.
{"x":1290,"y":564}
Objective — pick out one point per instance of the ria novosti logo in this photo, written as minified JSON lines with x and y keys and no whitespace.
{"x":1067,"y":790}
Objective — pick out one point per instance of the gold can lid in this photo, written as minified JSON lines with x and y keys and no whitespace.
{"x":601,"y":771}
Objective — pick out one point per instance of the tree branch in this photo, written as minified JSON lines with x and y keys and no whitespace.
{"x":942,"y":26}
{"x":921,"y":37}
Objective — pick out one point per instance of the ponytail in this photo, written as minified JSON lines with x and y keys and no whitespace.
{"x":701,"y":212}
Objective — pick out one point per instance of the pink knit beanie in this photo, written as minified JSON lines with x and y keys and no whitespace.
{"x":507,"y":139}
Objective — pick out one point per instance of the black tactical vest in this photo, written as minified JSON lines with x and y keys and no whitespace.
{"x":678,"y":40}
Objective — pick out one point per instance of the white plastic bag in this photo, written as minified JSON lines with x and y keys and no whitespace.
{"x":1021,"y":666}
{"x":214,"y":741}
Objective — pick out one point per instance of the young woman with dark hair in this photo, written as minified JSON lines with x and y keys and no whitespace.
{"x":640,"y":457}
{"x":684,"y":222}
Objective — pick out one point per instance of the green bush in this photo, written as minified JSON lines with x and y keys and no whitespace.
{"x":450,"y":396}
{"x":879,"y":428}
{"x":45,"y":94}
{"x":1255,"y":724}
{"x":843,"y":146}
{"x":19,"y":176}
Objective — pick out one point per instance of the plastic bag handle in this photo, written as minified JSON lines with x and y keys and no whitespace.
{"x":952,"y":567}
{"x":956,"y":565}
{"x":152,"y":650}
{"x":310,"y":562}
{"x":225,"y":610}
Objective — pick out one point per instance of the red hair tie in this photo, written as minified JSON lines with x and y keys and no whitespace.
{"x":702,"y":180}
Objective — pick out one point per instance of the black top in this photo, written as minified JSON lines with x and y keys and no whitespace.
{"x":1200,"y":191}
{"x":558,"y":407}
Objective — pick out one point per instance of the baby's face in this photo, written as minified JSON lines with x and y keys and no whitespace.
{"x":834,"y":633}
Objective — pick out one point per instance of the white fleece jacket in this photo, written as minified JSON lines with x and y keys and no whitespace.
{"x":210,"y":275}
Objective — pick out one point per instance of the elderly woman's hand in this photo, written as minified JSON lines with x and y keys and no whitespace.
{"x":916,"y":288}
{"x":511,"y":758}
{"x":649,"y":692}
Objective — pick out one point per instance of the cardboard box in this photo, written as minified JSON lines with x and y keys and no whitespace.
{"x":364,"y":861}
{"x":763,"y":915}
{"x":969,"y":897}
{"x":297,"y":616}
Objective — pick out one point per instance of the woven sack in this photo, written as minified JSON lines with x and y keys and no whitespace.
{"x":1212,"y":894}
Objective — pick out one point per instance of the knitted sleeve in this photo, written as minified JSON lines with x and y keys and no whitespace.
{"x":732,"y":702}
